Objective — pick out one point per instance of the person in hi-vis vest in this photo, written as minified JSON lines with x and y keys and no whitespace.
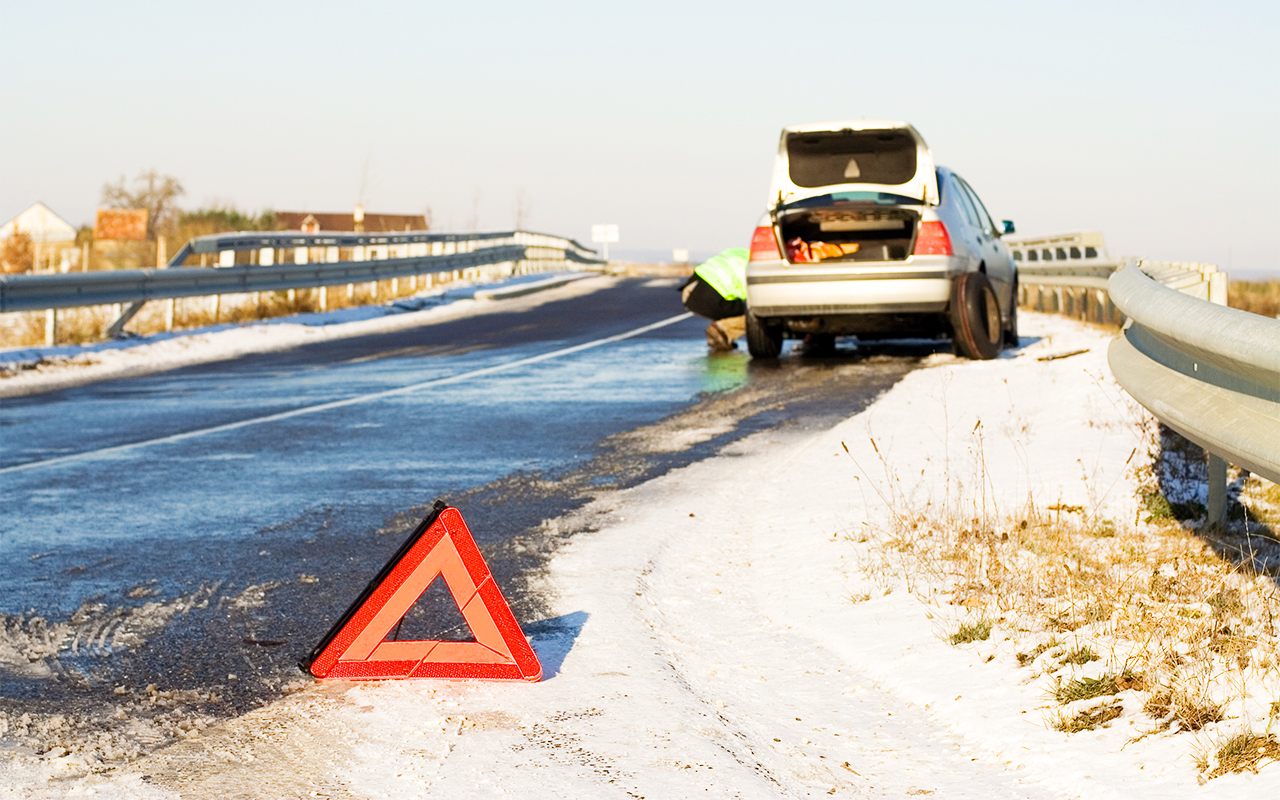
{"x":717,"y":290}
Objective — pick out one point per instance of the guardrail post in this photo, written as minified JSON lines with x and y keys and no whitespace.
{"x":51,"y":327}
{"x":1216,"y":507}
{"x":1217,"y":287}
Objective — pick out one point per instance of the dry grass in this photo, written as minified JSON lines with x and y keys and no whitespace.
{"x":1086,"y":720}
{"x":1238,"y":753}
{"x":1087,"y":688}
{"x":1258,"y":297}
{"x":1097,"y":607}
{"x":1189,"y":709}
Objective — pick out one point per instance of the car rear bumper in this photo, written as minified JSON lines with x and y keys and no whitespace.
{"x":778,"y":289}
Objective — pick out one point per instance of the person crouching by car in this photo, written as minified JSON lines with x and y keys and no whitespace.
{"x":717,"y":290}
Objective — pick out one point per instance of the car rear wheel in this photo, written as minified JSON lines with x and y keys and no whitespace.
{"x":763,"y":340}
{"x":1011,"y":330}
{"x":975,"y":317}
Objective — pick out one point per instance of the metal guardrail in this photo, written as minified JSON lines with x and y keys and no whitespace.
{"x":1209,"y":372}
{"x":446,"y":253}
{"x":1076,"y":289}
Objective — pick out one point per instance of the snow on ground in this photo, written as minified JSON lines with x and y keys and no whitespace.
{"x":28,"y":370}
{"x":720,"y":636}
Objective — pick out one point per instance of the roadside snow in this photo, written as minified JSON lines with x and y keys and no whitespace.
{"x":31,"y":370}
{"x":721,"y":636}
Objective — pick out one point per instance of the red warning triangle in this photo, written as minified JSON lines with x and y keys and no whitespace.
{"x":354,"y":648}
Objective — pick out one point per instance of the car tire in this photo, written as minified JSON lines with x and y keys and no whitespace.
{"x":1011,"y":330}
{"x":975,"y":317}
{"x":763,"y":340}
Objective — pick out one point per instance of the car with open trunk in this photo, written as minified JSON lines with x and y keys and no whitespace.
{"x":866,"y":236}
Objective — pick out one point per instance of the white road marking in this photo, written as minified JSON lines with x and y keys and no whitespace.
{"x":350,"y":401}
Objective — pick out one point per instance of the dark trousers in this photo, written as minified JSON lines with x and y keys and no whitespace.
{"x":707,"y":302}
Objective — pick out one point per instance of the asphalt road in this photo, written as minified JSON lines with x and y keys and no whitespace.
{"x":198,"y":530}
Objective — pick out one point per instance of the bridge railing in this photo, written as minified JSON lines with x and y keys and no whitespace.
{"x":1209,"y":372}
{"x":314,"y":263}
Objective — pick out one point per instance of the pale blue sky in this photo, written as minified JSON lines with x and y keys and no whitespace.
{"x":1155,"y":123}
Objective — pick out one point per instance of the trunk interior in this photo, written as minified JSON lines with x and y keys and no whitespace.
{"x":848,"y":232}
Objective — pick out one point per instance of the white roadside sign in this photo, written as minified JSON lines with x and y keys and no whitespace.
{"x":604,"y":234}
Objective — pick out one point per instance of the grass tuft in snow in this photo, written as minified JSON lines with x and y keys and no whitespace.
{"x":1192,"y":711}
{"x":1080,"y":655}
{"x":1086,"y":720}
{"x":1238,"y":753}
{"x":1087,"y":688}
{"x":976,"y":631}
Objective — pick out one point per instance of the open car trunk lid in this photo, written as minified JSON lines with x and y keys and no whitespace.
{"x":863,"y":156}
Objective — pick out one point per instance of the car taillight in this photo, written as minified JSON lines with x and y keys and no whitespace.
{"x":933,"y":240}
{"x":763,"y":246}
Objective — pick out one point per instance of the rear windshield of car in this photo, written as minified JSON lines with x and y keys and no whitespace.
{"x":828,"y":158}
{"x":851,"y":198}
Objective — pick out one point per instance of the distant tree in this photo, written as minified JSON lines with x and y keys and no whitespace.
{"x":18,"y":252}
{"x":157,"y":193}
{"x":217,"y":219}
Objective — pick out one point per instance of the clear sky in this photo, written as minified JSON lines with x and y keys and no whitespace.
{"x":1155,"y":123}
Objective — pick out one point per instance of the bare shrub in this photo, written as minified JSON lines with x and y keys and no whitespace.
{"x":18,"y":252}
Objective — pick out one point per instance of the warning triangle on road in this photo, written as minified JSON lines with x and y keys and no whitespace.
{"x":442,"y":546}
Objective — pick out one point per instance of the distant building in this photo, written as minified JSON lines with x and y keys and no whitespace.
{"x":313,"y":222}
{"x":1057,"y":247}
{"x":42,"y":225}
{"x":53,"y":238}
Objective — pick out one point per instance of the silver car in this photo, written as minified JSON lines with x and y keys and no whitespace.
{"x":866,"y":237}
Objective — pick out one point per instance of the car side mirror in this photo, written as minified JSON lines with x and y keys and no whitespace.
{"x":1008,"y":226}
